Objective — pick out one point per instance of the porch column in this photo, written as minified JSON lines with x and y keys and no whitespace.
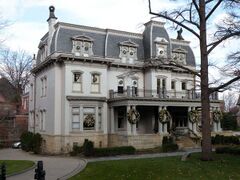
{"x":165,"y":124}
{"x":160,"y":126}
{"x":194,"y":124}
{"x":189,"y":122}
{"x":81,"y":118}
{"x":129,"y":127}
{"x":215,"y":124}
{"x":112,"y":119}
{"x":134,"y":126}
{"x":97,"y":119}
{"x":219,"y":122}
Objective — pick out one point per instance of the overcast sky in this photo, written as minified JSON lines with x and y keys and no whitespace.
{"x":28,"y":19}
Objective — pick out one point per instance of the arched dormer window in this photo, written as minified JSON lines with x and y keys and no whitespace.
{"x":179,"y":55}
{"x":128,"y":51}
{"x":82,"y":46}
{"x":161,"y":47}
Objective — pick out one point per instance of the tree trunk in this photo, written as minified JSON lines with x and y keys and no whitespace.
{"x":205,"y":102}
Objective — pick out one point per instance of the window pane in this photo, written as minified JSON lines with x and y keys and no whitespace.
{"x":95,"y":87}
{"x":77,"y":77}
{"x":173,"y":84}
{"x":75,"y":110}
{"x":75,"y":118}
{"x":183,"y":86}
{"x":77,"y":86}
{"x":95,"y":78}
{"x":76,"y":125}
{"x":89,"y":110}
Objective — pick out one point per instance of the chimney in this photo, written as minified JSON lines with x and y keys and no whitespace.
{"x":52,"y":20}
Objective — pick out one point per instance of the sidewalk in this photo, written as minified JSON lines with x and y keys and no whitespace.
{"x":141,"y":156}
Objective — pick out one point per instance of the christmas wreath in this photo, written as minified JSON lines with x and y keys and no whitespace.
{"x":164,"y":116}
{"x":217,"y":115}
{"x":133,"y":116}
{"x":89,"y":121}
{"x":193,"y":116}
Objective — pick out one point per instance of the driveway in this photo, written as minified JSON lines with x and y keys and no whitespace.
{"x":56,"y":167}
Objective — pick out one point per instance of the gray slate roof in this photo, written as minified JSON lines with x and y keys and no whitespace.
{"x":106,"y":41}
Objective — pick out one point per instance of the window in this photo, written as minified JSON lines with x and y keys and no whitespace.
{"x":89,"y":118}
{"x":134,"y":87}
{"x":128,"y":51}
{"x":75,"y":118}
{"x":173,"y":85}
{"x":44,"y":86}
{"x":42,"y":119}
{"x":77,"y":81}
{"x":99,"y":118}
{"x":31,"y":92}
{"x":120,"y":85}
{"x":121,"y":115}
{"x":82,"y":46}
{"x":95,"y":83}
{"x":184,"y":86}
{"x":163,"y":83}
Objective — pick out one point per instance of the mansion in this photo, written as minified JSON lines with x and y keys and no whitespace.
{"x":113,"y":87}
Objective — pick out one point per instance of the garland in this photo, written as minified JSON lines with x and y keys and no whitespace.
{"x":133,"y":116}
{"x":216,"y":115}
{"x":164,"y":116}
{"x":89,"y":121}
{"x":193,"y":116}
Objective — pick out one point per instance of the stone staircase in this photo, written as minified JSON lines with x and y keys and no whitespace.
{"x":185,"y":142}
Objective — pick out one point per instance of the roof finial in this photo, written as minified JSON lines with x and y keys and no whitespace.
{"x":179,"y":37}
{"x":51,"y":13}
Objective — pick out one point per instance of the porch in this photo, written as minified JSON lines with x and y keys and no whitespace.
{"x":150,"y":129}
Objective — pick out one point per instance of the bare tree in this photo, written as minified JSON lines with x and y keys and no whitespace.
{"x":195,"y":17}
{"x":15,"y":66}
{"x":230,"y":100}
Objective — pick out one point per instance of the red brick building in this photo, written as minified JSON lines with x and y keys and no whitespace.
{"x":13,"y":113}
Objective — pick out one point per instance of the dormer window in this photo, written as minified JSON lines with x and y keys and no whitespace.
{"x":82,"y":46}
{"x":161,"y":47}
{"x":128,"y":51}
{"x":179,"y":55}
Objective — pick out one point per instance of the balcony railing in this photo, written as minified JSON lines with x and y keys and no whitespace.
{"x":161,"y":93}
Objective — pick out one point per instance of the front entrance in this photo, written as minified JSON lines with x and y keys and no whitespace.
{"x":179,"y":119}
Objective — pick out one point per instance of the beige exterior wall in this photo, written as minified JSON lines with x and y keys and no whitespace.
{"x":140,"y":141}
{"x":64,"y":144}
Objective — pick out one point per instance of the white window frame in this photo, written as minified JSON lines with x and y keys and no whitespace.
{"x":94,"y":84}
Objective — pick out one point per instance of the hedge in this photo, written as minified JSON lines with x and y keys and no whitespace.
{"x":235,"y":150}
{"x":31,"y":142}
{"x":112,"y":151}
{"x":220,"y":139}
{"x":168,"y":144}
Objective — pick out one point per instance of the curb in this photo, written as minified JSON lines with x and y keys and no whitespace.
{"x":78,"y":169}
{"x":23,"y":171}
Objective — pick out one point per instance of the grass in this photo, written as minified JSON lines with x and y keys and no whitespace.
{"x":223,"y":167}
{"x":14,"y":166}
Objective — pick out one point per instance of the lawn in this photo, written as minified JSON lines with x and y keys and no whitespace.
{"x":14,"y":166}
{"x":223,"y":167}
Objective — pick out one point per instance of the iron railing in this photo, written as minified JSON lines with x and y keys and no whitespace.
{"x":160,"y":93}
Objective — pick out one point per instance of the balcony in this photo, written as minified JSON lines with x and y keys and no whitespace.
{"x":162,"y":94}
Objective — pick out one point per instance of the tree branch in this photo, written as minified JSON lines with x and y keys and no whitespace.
{"x":211,"y":90}
{"x":216,"y":43}
{"x":213,"y":9}
{"x":172,"y":20}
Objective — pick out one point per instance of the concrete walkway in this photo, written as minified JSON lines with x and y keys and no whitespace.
{"x":141,"y":156}
{"x":55,"y":167}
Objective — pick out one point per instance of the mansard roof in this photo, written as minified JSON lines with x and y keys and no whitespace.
{"x":106,"y":41}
